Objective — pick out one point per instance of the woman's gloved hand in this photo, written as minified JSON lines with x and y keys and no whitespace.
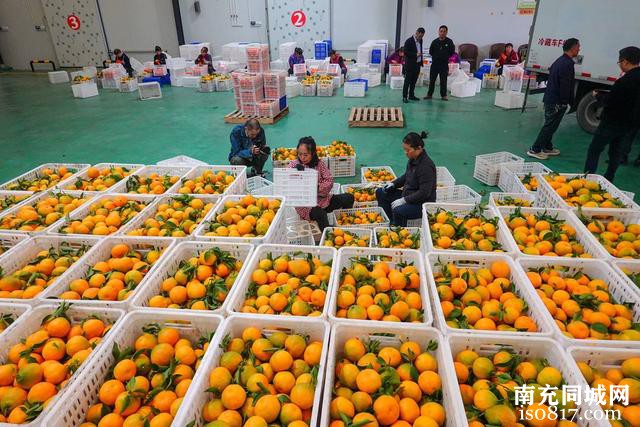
{"x":397,"y":203}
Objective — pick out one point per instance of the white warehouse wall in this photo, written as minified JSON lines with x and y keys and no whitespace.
{"x":481,"y":22}
{"x":20,"y":42}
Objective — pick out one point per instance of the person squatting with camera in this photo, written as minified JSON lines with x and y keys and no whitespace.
{"x":249,"y":147}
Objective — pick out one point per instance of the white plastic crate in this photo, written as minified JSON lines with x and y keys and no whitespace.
{"x":444,"y":177}
{"x":257,"y":185}
{"x":373,"y":79}
{"x":19,"y":197}
{"x":72,"y":409}
{"x":146,"y":171}
{"x":224,"y":85}
{"x":239,"y":172}
{"x":181,"y":161}
{"x":308,"y":89}
{"x":487,"y":166}
{"x":490,"y":80}
{"x":356,"y":204}
{"x":630,"y":266}
{"x":335,"y":189}
{"x":463,"y":89}
{"x":601,"y":359}
{"x":457,"y":194}
{"x":475,"y":260}
{"x":83,"y":211}
{"x":373,"y":209}
{"x":605,"y":216}
{"x":547,"y":196}
{"x":460,"y":209}
{"x":27,"y":250}
{"x":275,"y":234}
{"x":299,"y":187}
{"x":390,"y":256}
{"x":487,"y":345}
{"x":12,"y":312}
{"x":58,"y":77}
{"x":302,"y":232}
{"x":9,"y":240}
{"x":510,"y":176}
{"x":505,"y":197}
{"x":411,"y":228}
{"x":101,"y":251}
{"x":37,"y":198}
{"x":207,"y":85}
{"x":354,"y":89}
{"x":130,"y":85}
{"x":509,"y":100}
{"x":396,"y":82}
{"x":31,"y":323}
{"x":110,"y":83}
{"x":84,"y":90}
{"x":150,"y":90}
{"x":364,"y":169}
{"x":36,"y":173}
{"x":341,"y":167}
{"x":582,"y":235}
{"x":300,"y":69}
{"x":595,"y":269}
{"x":197,"y":396}
{"x":293,"y":89}
{"x":84,"y":174}
{"x":393,"y":336}
{"x":357,"y":232}
{"x":325,"y":89}
{"x":237,"y":296}
{"x":191,"y":81}
{"x":168,"y":265}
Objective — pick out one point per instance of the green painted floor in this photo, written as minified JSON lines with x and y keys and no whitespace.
{"x":41,"y":122}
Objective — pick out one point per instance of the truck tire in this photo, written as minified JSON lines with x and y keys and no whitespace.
{"x":588,"y":113}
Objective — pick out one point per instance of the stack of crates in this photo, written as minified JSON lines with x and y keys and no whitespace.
{"x":251,"y":91}
{"x":322,"y":49}
{"x":258,"y":58}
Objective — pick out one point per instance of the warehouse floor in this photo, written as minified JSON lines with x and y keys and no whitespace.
{"x":41,"y":122}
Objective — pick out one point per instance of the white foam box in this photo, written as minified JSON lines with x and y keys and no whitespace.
{"x":191,"y":81}
{"x":58,"y":77}
{"x":509,"y":99}
{"x":397,"y":82}
{"x":85,"y":90}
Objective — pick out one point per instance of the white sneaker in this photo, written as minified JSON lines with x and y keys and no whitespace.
{"x":552,"y":152}
{"x":539,"y":156}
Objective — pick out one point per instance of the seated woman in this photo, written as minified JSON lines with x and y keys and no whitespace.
{"x":160,"y":58}
{"x":205,"y":59}
{"x":508,"y":57}
{"x":336,"y":58}
{"x":296,"y":58}
{"x":418,"y":183}
{"x":308,"y":159}
{"x":396,"y":57}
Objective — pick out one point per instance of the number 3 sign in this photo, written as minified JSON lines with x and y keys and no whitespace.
{"x":73,"y":22}
{"x":298,"y":18}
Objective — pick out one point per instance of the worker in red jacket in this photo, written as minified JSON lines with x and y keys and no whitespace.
{"x":508,"y":57}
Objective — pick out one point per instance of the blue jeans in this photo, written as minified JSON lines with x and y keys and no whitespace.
{"x":400,"y":215}
{"x":552,"y":117}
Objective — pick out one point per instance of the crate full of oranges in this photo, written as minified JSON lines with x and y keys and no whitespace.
{"x":285,"y":389}
{"x":285,"y":280}
{"x":196,"y":276}
{"x":364,"y":195}
{"x":360,"y":217}
{"x":144,"y":374}
{"x":44,"y":177}
{"x":618,"y":233}
{"x":214,"y":180}
{"x":46,"y":354}
{"x":377,"y":174}
{"x":102,"y":176}
{"x":153,"y":180}
{"x":337,"y":237}
{"x":397,"y":237}
{"x":387,"y":285}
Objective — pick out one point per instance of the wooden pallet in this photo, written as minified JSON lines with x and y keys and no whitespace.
{"x":237,"y":117}
{"x":376,"y":117}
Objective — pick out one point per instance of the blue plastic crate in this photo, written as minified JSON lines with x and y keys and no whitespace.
{"x":376,"y":56}
{"x":321,"y":50}
{"x":485,"y":69}
{"x":329,"y":45}
{"x":366,"y":83}
{"x":283,"y":103}
{"x":162,"y":81}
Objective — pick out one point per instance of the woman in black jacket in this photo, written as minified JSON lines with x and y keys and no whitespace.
{"x":402,"y":199}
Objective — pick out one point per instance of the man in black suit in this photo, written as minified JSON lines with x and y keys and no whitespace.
{"x":412,"y":65}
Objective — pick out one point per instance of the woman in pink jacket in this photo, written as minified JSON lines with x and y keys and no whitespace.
{"x":308,"y":159}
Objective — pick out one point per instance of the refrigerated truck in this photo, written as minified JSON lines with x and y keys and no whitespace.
{"x":603,"y":28}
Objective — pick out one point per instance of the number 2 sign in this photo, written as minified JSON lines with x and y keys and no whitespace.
{"x":73,"y":22}
{"x":298,"y":18}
